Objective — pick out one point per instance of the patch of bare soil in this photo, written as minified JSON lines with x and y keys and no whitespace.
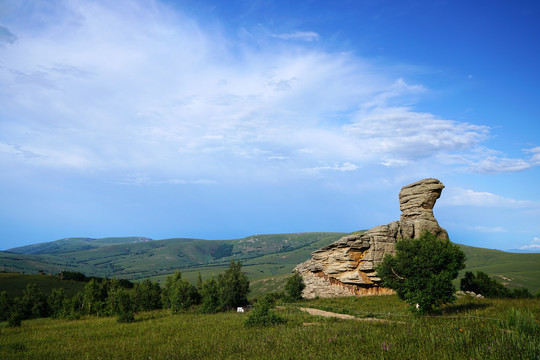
{"x":336,"y":315}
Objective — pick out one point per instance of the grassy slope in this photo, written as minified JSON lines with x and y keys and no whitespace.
{"x":14,"y":284}
{"x":469,"y":333}
{"x":512,"y":269}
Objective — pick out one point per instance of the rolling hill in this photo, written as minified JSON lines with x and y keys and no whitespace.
{"x":267,"y":259}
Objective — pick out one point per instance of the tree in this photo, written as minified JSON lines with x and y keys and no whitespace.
{"x":209,"y":296}
{"x":178,"y":293}
{"x":94,"y":297}
{"x":33,"y":303}
{"x":422,"y":271}
{"x":233,"y":286}
{"x":56,"y":302}
{"x":147,"y":295}
{"x":294,"y":287}
{"x":5,"y":306}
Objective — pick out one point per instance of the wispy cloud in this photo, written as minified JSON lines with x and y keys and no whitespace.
{"x":141,"y":88}
{"x":299,"y":35}
{"x":486,"y":229}
{"x":463,"y":197}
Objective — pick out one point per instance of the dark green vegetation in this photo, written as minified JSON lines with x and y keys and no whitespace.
{"x":132,"y":258}
{"x":469,"y":329}
{"x":103,"y":297}
{"x":422,"y":270}
{"x":481,"y":283}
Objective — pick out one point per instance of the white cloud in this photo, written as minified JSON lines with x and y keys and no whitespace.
{"x":533,"y":245}
{"x":488,"y":161}
{"x":462,"y":197}
{"x":336,"y":167}
{"x":138,"y":88}
{"x":486,"y":229}
{"x":299,"y":35}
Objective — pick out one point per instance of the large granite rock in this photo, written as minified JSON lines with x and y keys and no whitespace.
{"x":347,"y":267}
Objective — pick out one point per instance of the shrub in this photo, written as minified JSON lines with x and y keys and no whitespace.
{"x":5,"y":306}
{"x":294,"y":287}
{"x":261,"y":315}
{"x":422,"y":271}
{"x":15,"y":319}
{"x":481,"y":283}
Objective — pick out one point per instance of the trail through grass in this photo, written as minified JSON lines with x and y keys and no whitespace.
{"x":465,"y":331}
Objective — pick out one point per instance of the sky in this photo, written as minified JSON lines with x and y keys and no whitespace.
{"x":225,"y":119}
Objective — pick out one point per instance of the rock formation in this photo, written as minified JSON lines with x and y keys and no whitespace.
{"x":347,"y":267}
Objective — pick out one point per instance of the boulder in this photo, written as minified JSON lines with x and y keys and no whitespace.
{"x":347,"y":267}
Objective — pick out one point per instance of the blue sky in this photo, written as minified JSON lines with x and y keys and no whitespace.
{"x":219,"y":120}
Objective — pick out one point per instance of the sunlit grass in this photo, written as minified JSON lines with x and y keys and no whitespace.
{"x":465,"y":331}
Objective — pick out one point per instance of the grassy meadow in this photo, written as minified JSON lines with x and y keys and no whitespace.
{"x":385,"y":329}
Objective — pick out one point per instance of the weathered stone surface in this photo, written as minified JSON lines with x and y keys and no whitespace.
{"x":347,"y":267}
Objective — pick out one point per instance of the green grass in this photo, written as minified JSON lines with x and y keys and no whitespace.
{"x":477,"y":331}
{"x":14,"y":284}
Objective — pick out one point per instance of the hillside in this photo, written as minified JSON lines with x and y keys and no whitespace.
{"x":514,"y":270}
{"x":267,"y":259}
{"x":132,"y":259}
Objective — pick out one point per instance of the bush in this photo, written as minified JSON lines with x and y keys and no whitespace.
{"x":481,"y":283}
{"x":294,"y":287}
{"x":15,"y":319}
{"x":261,"y":315}
{"x":422,"y":271}
{"x":5,"y":306}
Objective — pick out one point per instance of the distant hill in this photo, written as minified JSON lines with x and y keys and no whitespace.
{"x":267,"y":259}
{"x":132,"y":258}
{"x":75,"y":244}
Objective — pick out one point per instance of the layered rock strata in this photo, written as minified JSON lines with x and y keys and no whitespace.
{"x":347,"y":267}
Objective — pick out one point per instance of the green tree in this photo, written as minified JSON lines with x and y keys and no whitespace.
{"x":56,"y":302}
{"x":294,"y":287}
{"x":481,"y":283}
{"x":178,"y":293}
{"x":94,"y":297}
{"x":33,"y":303}
{"x":422,"y":271}
{"x":126,"y":306}
{"x":5,"y":306}
{"x":210,"y":298}
{"x":147,"y":295}
{"x":233,"y":286}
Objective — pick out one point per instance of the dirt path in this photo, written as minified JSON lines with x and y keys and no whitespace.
{"x":318,"y":312}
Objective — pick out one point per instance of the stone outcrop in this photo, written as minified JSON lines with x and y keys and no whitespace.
{"x":347,"y":267}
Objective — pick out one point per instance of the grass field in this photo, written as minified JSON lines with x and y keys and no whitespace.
{"x":471,"y":329}
{"x":14,"y":284}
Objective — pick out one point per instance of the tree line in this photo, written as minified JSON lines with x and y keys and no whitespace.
{"x":117,"y":297}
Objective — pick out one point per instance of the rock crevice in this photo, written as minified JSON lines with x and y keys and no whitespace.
{"x":347,"y":267}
